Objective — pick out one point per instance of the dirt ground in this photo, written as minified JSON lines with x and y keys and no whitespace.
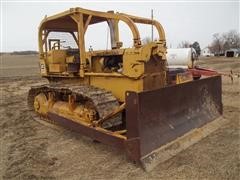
{"x":30,"y":150}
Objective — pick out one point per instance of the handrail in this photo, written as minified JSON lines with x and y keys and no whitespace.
{"x":155,"y":23}
{"x":72,"y":11}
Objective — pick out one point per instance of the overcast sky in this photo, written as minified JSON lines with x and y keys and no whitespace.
{"x":191,"y":21}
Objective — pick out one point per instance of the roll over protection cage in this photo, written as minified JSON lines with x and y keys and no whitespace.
{"x":78,"y":19}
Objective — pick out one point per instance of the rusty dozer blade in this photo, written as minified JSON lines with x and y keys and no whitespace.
{"x":163,"y":122}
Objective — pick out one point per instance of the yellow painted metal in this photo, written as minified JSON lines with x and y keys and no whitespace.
{"x":57,"y":68}
{"x":56,"y":57}
{"x":138,"y":68}
{"x":41,"y":104}
{"x":135,"y":74}
{"x":155,"y":23}
{"x":66,"y":21}
{"x":78,"y":113}
{"x":78,"y":18}
{"x":118,"y":86}
{"x":43,"y":67}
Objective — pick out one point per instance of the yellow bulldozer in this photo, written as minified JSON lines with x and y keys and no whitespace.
{"x":124,"y":97}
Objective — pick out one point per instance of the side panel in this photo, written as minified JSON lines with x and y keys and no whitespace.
{"x":155,"y":74}
{"x":160,"y":116}
{"x":117,"y":85}
{"x":56,"y":56}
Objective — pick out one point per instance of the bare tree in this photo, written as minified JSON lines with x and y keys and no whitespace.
{"x":217,"y":44}
{"x":184,"y":44}
{"x":225,"y":41}
{"x":231,"y":39}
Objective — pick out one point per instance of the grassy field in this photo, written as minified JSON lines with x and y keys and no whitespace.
{"x":30,"y":150}
{"x":19,"y":65}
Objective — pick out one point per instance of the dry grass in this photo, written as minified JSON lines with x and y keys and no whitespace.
{"x":30,"y":150}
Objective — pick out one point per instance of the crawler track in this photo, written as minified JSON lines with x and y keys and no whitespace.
{"x":101,"y":100}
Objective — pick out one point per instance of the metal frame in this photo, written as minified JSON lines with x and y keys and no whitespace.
{"x":82,"y":18}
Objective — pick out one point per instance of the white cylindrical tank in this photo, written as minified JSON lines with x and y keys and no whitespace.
{"x":181,"y":57}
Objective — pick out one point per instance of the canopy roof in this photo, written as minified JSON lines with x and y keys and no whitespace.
{"x":64,"y":21}
{"x":67,"y":21}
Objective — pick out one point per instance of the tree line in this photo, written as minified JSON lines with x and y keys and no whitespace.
{"x":225,"y":41}
{"x":220,"y":43}
{"x":20,"y":53}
